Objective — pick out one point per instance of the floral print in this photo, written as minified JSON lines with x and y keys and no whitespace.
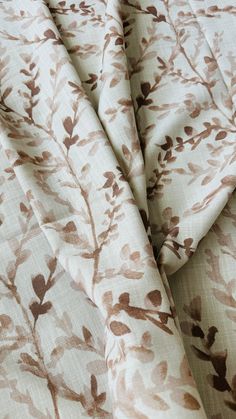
{"x":117,"y":209}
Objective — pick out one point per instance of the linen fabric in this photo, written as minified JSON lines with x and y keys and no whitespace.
{"x":117,"y":209}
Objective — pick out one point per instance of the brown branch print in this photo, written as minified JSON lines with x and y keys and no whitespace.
{"x":218,"y":380}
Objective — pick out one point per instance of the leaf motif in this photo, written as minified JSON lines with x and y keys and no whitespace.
{"x":94,"y":386}
{"x":110,"y":179}
{"x":145,"y":88}
{"x":126,"y":152}
{"x":224,"y":298}
{"x":119,"y":328}
{"x":69,"y":141}
{"x":229,"y":180}
{"x":5,"y":322}
{"x":187,"y":327}
{"x":207,"y":179}
{"x":51,"y":264}
{"x":49,"y":34}
{"x":211,"y":336}
{"x":130,"y":274}
{"x":114,"y":81}
{"x":194,"y":308}
{"x":69,"y":227}
{"x":23,"y":256}
{"x":68,"y":125}
{"x":119,"y":41}
{"x":99,"y":366}
{"x":6,"y":93}
{"x":197,"y":331}
{"x":219,"y":383}
{"x":152,"y":10}
{"x":39,"y":286}
{"x":159,"y":373}
{"x":166,"y":146}
{"x":185,"y":399}
{"x":200,"y":354}
{"x":230,"y":404}
{"x":218,"y":360}
{"x":195,"y":168}
{"x":155,"y":297}
{"x":221,"y":135}
{"x":87,"y":334}
{"x":27,"y":359}
{"x":124,"y":298}
{"x":23,"y":208}
{"x":188,"y":130}
{"x":38,"y":309}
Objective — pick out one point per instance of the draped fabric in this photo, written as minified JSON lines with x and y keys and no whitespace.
{"x":117,"y":209}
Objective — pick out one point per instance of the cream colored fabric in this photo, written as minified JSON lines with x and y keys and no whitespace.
{"x":117,"y":211}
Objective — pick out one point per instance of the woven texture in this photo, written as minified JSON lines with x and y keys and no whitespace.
{"x":117,"y":209}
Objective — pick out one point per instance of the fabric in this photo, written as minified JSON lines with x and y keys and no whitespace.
{"x":117,"y":209}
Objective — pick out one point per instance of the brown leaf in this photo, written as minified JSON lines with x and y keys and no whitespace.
{"x":145,"y":88}
{"x":87,"y":334}
{"x":195,"y":168}
{"x":124,"y":298}
{"x":5,"y":321}
{"x":94,"y":386}
{"x":52,"y":264}
{"x":49,"y":34}
{"x":187,"y":327}
{"x":221,"y":135}
{"x":159,"y":373}
{"x":195,"y":113}
{"x":126,"y":152}
{"x":110,"y":178}
{"x":69,"y":141}
{"x":130,"y":274}
{"x":194,"y":308}
{"x":233,"y":383}
{"x":230,"y":404}
{"x":27,"y":359}
{"x":114,"y":81}
{"x":39,"y":286}
{"x":229,"y":180}
{"x":99,"y":366}
{"x":38,"y":309}
{"x":23,"y":256}
{"x":68,"y":125}
{"x":188,"y":130}
{"x":69,"y":227}
{"x":160,"y":18}
{"x":6,"y":93}
{"x":152,"y":10}
{"x":119,"y":41}
{"x":219,"y":383}
{"x":185,"y":399}
{"x":207,"y":179}
{"x":23,"y":208}
{"x":211,"y":336}
{"x":166,"y":146}
{"x":224,"y":298}
{"x":200,"y":354}
{"x":119,"y":328}
{"x":143,"y":102}
{"x":218,"y":360}
{"x":101,"y":398}
{"x":197,"y":331}
{"x":191,"y":329}
{"x":155,"y":297}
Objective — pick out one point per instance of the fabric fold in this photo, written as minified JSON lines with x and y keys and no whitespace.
{"x":124,"y":147}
